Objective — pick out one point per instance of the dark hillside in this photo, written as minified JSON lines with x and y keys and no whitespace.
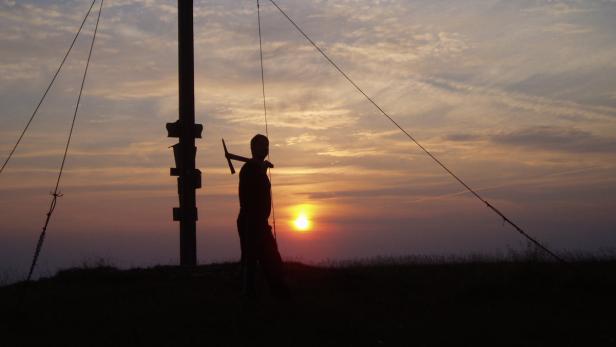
{"x":475,"y":303}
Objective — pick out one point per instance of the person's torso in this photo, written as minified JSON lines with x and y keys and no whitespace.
{"x":254,"y":191}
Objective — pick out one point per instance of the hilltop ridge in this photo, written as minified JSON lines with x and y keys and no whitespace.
{"x":373,"y":304}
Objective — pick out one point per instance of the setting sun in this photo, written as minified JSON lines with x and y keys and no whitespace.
{"x":301,"y":223}
{"x":301,"y":218}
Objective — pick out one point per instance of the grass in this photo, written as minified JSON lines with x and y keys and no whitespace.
{"x":387,"y":301}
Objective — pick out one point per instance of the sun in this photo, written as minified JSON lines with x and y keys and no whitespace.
{"x":301,"y":218}
{"x":301,"y":223}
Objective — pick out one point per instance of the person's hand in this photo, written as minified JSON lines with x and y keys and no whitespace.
{"x":268,"y":164}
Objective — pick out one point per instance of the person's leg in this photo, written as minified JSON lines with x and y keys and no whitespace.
{"x":250,"y":265}
{"x":240,"y":231}
{"x":271,"y":262}
{"x":248,"y":259}
{"x":249,"y":285}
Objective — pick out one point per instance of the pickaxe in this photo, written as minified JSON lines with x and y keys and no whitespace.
{"x":231,"y":156}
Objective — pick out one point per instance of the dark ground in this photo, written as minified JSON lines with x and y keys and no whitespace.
{"x":493,"y":303}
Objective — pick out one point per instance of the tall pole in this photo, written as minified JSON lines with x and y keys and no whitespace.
{"x":189,"y":178}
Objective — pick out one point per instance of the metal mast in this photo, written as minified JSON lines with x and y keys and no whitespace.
{"x":189,"y":178}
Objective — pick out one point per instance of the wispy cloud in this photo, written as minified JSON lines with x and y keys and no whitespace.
{"x":545,"y":138}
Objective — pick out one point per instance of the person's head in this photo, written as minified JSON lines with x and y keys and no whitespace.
{"x":259,"y":146}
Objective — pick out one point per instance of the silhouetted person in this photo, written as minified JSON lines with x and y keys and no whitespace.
{"x":256,"y":239}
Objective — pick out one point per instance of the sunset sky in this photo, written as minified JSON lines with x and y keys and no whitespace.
{"x":517,"y":97}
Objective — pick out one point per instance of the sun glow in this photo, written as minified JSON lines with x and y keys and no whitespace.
{"x":301,"y":218}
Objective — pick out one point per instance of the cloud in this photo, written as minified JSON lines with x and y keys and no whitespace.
{"x":545,"y":138}
{"x":567,"y":28}
{"x":141,"y":89}
{"x":352,"y":153}
{"x":23,"y":70}
{"x":556,"y":138}
{"x":558,"y":8}
{"x":407,"y":192}
{"x":463,"y":137}
{"x":306,"y":137}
